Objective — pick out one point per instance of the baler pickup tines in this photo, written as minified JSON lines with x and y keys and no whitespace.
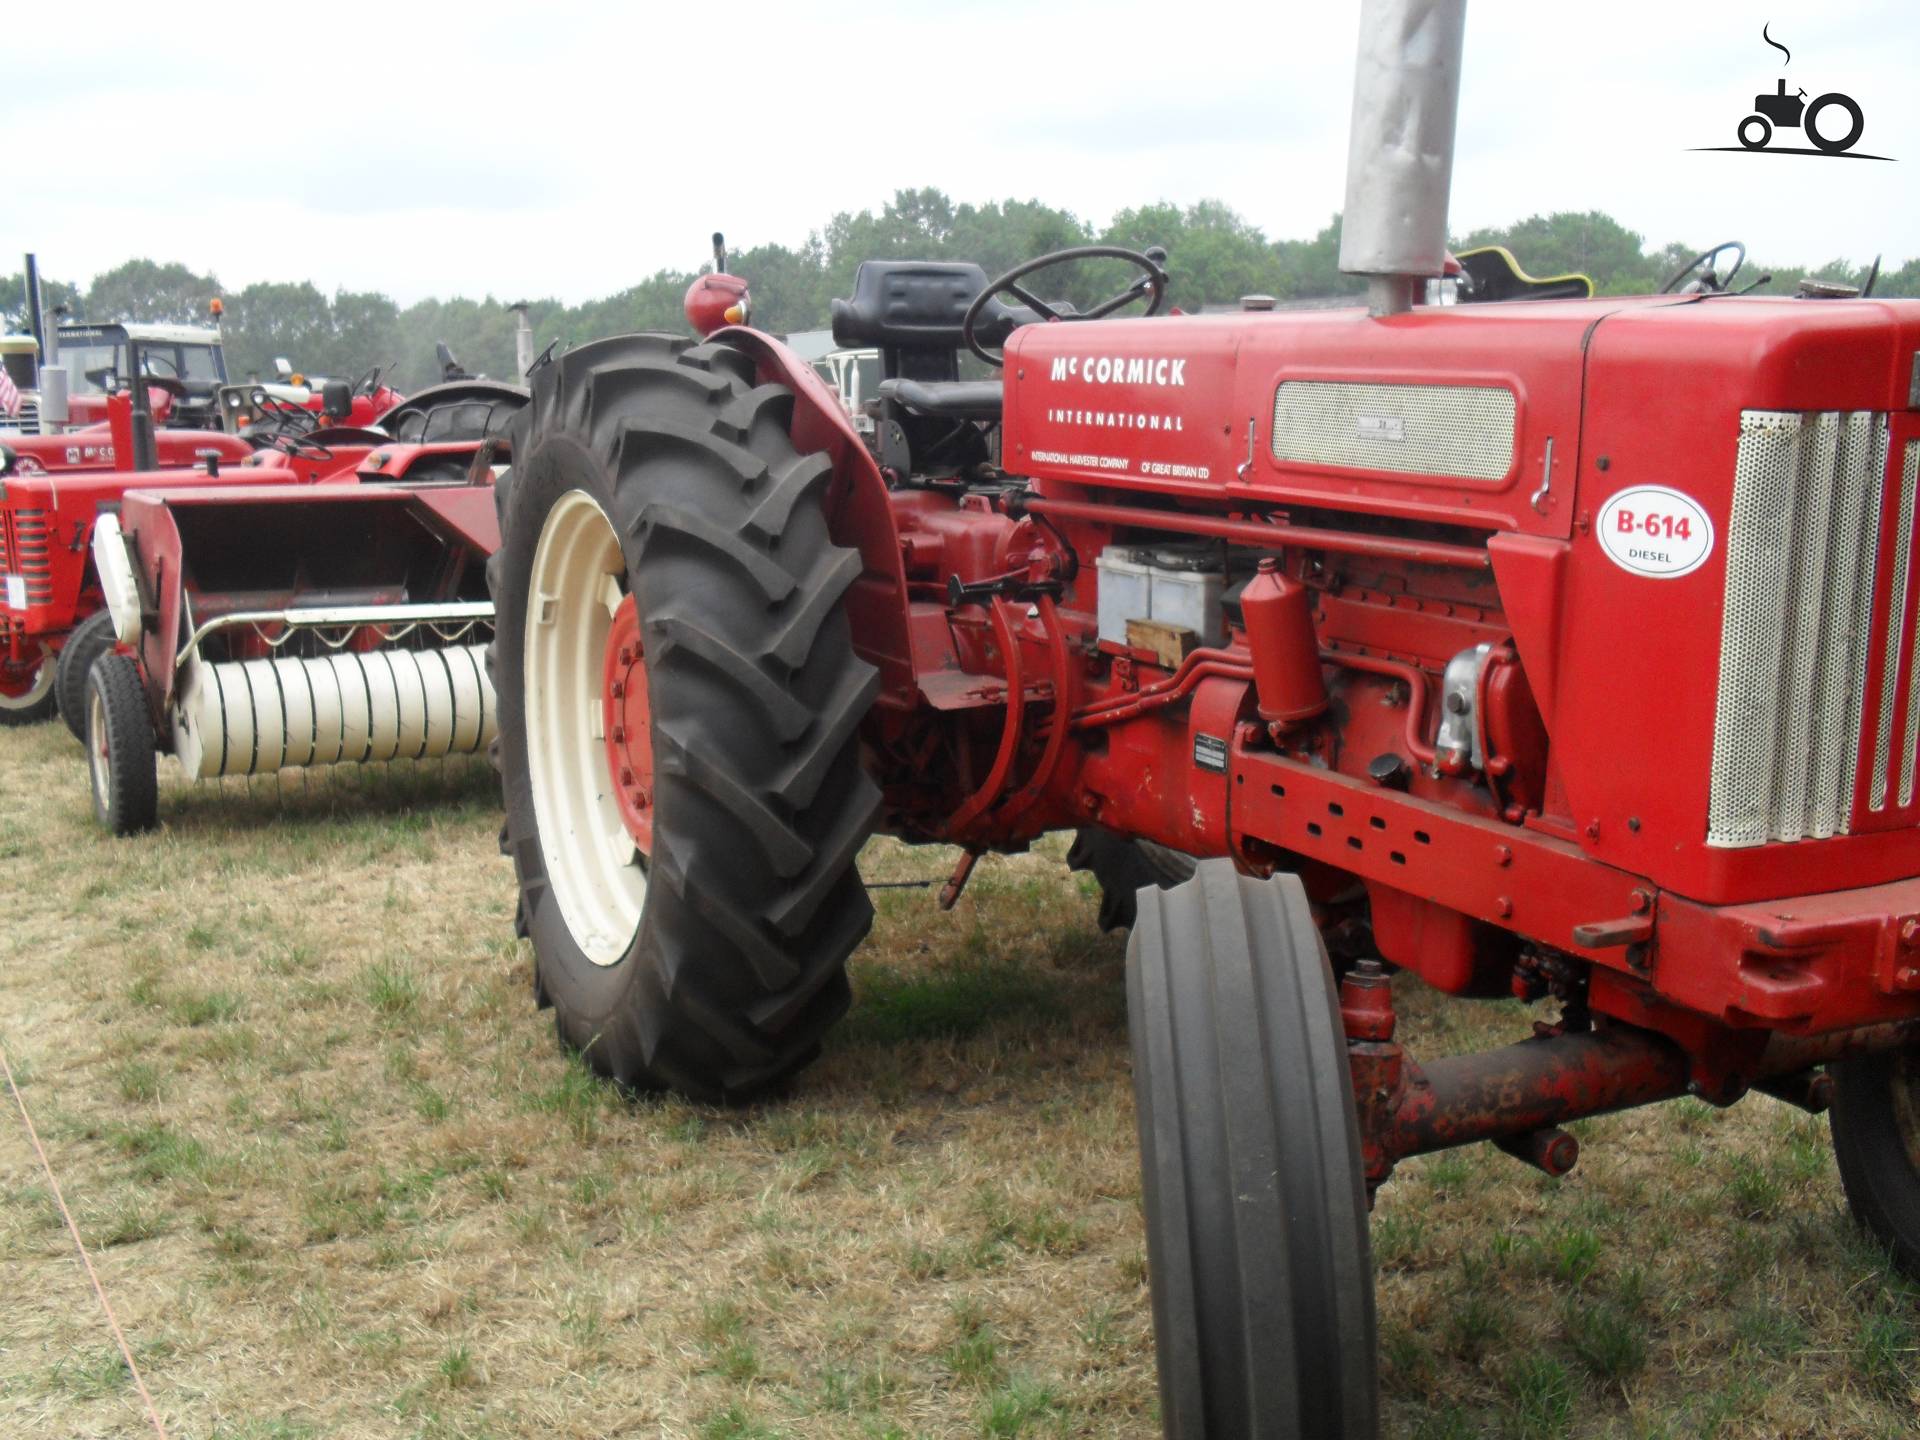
{"x":447,"y":620}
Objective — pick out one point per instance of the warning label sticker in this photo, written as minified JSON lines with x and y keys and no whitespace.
{"x":1655,"y":531}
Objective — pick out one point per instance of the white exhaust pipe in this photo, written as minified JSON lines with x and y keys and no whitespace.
{"x":522,"y":339}
{"x":1406,"y":96}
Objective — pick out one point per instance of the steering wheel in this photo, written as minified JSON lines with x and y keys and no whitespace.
{"x":367,"y":383}
{"x":166,"y":384}
{"x":296,"y":445}
{"x":1152,"y":282}
{"x":1705,"y":261}
{"x":284,"y":413}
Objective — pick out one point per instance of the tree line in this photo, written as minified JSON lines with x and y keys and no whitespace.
{"x":1214,"y":256}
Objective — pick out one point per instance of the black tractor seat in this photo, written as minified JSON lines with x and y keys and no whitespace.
{"x":946,"y":399}
{"x":929,"y":420}
{"x":910,"y":310}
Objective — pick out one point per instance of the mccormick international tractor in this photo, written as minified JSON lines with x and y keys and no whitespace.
{"x":1560,"y":649}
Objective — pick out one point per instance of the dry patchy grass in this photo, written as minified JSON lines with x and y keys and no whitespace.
{"x":341,"y":1183}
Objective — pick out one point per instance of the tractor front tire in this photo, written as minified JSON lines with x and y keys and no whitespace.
{"x":86,"y":642}
{"x":1876,"y":1142}
{"x":1123,"y":868}
{"x":120,"y":746}
{"x":1253,"y":1184}
{"x":26,"y":690}
{"x":691,"y":900}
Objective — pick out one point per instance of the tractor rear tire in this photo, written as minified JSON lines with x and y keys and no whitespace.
{"x":1876,"y":1142}
{"x":1256,"y":1205}
{"x":26,"y":690}
{"x":1124,"y":867}
{"x":120,"y":746}
{"x":709,"y":956}
{"x":87,"y":642}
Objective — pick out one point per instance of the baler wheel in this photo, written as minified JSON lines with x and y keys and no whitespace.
{"x":1876,"y":1141}
{"x":26,"y":690}
{"x":87,"y":642}
{"x":679,"y":707}
{"x":1256,"y":1209}
{"x":1124,"y":867}
{"x":120,"y":758}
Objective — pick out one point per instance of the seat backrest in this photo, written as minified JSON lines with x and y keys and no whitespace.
{"x":911,"y":310}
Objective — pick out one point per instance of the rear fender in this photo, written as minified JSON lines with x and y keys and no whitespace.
{"x":113,"y":563}
{"x":859,"y":512}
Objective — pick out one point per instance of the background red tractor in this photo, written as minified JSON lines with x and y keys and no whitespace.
{"x":1561,"y":650}
{"x":53,"y":620}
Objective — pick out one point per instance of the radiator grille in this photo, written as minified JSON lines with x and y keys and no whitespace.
{"x":1464,"y":431}
{"x":1800,"y":551}
{"x":32,"y":557}
{"x":27,"y":422}
{"x":1910,"y":733}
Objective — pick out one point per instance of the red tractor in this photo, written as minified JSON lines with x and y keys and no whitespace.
{"x":51,"y":489}
{"x":53,"y":619}
{"x":1561,"y":649}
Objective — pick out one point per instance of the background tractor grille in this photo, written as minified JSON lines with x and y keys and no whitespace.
{"x":1456,"y":430}
{"x":1801,"y":551}
{"x":27,"y":422}
{"x":30,"y":543}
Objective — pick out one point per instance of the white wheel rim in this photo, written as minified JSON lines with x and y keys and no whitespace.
{"x":97,"y":758}
{"x":35,"y":693}
{"x":594,"y":872}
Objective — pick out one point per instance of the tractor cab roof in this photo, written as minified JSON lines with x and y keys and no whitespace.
{"x":165,"y":334}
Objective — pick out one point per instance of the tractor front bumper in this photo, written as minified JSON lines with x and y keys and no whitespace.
{"x":1804,"y":965}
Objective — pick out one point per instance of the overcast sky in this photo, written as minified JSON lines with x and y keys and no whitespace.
{"x":563,"y":148}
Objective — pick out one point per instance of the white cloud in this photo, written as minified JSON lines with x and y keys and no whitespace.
{"x":572,"y":148}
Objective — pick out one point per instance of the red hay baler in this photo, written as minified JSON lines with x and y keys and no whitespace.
{"x":254,"y":628}
{"x":1558,"y":649}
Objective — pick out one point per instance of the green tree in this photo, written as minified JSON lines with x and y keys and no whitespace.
{"x":1214,"y":256}
{"x":157,"y":293}
{"x":13,"y":300}
{"x":1585,"y":241}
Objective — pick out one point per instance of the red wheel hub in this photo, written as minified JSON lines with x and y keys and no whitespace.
{"x":628,"y":719}
{"x":19,"y":677}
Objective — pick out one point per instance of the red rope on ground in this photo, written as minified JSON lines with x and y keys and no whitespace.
{"x":80,"y":1245}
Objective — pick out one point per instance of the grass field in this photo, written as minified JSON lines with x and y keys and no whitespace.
{"x":340,"y":1182}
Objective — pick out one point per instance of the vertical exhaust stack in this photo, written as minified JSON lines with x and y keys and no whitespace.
{"x":522,"y":338}
{"x":1406,"y":97}
{"x":36,"y":319}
